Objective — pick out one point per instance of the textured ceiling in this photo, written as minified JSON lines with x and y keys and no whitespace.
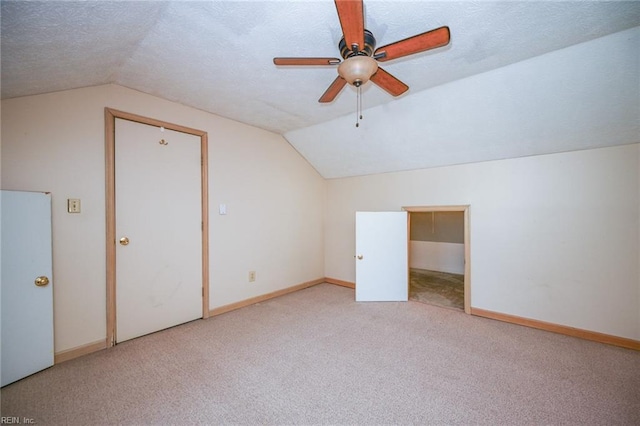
{"x":217,"y":55}
{"x":581,"y":97}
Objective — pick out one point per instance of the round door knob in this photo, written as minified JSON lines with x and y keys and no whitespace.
{"x":124,"y":241}
{"x":42,"y":281}
{"x":360,"y":257}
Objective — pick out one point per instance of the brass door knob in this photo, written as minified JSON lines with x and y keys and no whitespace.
{"x":124,"y":241}
{"x":42,"y":281}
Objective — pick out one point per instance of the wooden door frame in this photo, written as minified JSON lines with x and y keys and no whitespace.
{"x":110,"y":116}
{"x":467,"y":243}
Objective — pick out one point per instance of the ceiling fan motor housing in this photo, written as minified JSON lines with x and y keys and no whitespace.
{"x":368,"y":49}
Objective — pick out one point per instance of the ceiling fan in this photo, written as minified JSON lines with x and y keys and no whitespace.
{"x":358,"y":49}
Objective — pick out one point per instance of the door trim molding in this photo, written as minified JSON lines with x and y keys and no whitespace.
{"x":467,"y":243}
{"x":110,"y":116}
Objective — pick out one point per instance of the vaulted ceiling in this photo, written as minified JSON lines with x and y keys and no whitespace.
{"x":217,"y":55}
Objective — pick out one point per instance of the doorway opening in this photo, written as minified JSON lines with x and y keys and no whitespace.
{"x":439,"y":264}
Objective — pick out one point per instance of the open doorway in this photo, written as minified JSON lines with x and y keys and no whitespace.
{"x":439,"y":256}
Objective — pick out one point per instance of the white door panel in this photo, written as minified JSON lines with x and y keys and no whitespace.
{"x":158,"y":209}
{"x":27,"y":309}
{"x":382,"y":256}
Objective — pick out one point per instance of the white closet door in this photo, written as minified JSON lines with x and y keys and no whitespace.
{"x":158,"y":229}
{"x":382,"y":263}
{"x":27,"y":284}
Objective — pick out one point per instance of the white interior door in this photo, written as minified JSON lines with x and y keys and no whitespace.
{"x":158,"y":229}
{"x":382,"y":263}
{"x":27,"y":289}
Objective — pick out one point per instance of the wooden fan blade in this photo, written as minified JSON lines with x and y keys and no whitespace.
{"x":389,"y":83}
{"x":306,"y":61}
{"x":351,"y":14}
{"x":418,"y":43}
{"x":333,"y":90}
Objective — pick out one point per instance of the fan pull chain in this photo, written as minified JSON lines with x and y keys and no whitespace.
{"x":358,"y":105}
{"x":360,"y":89}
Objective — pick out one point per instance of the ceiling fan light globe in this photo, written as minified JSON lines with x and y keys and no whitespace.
{"x":357,"y":70}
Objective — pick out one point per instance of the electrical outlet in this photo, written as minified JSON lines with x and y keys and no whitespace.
{"x":252,"y":276}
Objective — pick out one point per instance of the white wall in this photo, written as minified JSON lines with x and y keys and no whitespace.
{"x":275,"y":199}
{"x":433,"y":256}
{"x":553,"y":237}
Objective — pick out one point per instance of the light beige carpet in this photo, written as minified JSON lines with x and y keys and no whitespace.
{"x":317,"y":357}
